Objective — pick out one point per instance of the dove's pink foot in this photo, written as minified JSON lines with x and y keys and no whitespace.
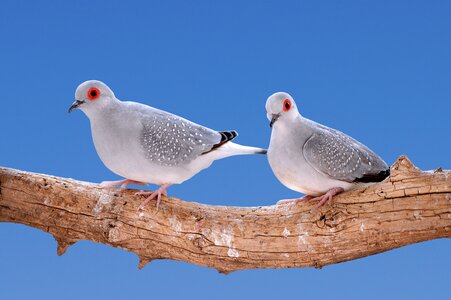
{"x":327,"y":197}
{"x":152,"y":195}
{"x":304,"y":198}
{"x":323,"y":199}
{"x":122,"y":183}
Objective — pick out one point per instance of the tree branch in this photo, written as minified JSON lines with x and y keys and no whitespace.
{"x":409,"y":207}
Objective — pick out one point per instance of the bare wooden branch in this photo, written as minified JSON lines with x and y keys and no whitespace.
{"x":409,"y":207}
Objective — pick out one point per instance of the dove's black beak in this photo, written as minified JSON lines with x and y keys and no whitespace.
{"x":274,"y":119}
{"x":76,"y":104}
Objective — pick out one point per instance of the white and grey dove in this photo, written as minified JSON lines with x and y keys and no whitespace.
{"x":314,"y":159}
{"x":147,"y":145}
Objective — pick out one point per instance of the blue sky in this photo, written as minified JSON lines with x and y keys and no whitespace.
{"x":378,"y":70}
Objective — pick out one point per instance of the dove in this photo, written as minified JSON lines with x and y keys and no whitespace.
{"x":314,"y":159}
{"x":148,"y":145}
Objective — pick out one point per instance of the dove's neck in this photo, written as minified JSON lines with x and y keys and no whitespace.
{"x":104,"y":108}
{"x":289,"y":129}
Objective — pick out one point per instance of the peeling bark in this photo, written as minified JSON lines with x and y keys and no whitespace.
{"x":408,"y":207}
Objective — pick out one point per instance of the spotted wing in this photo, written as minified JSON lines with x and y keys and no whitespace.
{"x":340,"y":157}
{"x":170,"y":140}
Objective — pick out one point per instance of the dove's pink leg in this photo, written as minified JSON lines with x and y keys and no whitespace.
{"x":303,"y":198}
{"x":157,"y":194}
{"x":323,"y":199}
{"x":123,"y":183}
{"x":327,"y":197}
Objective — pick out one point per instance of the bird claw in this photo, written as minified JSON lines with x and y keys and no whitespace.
{"x":328,"y":197}
{"x":122,"y":183}
{"x":152,"y":195}
{"x":287,"y":201}
{"x":108,"y":184}
{"x":323,"y":199}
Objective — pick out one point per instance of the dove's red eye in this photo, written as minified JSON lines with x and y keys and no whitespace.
{"x":93,"y":93}
{"x":286,"y":105}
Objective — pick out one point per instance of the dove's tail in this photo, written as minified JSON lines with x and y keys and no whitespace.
{"x":226,"y":148}
{"x":230,"y":149}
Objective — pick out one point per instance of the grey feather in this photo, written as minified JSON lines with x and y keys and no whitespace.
{"x":340,"y":157}
{"x":170,"y":140}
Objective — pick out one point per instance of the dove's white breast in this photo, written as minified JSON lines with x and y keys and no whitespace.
{"x":117,"y":139}
{"x":285,"y":155}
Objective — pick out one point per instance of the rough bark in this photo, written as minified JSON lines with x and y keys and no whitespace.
{"x":408,"y":207}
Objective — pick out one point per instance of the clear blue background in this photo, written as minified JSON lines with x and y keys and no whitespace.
{"x":377,"y":70}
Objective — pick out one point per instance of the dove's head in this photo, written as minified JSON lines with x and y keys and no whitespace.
{"x":92,"y":96}
{"x":280,"y":107}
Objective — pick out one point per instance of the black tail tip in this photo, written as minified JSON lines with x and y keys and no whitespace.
{"x":377,"y":177}
{"x":228,"y":135}
{"x":262,"y":151}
